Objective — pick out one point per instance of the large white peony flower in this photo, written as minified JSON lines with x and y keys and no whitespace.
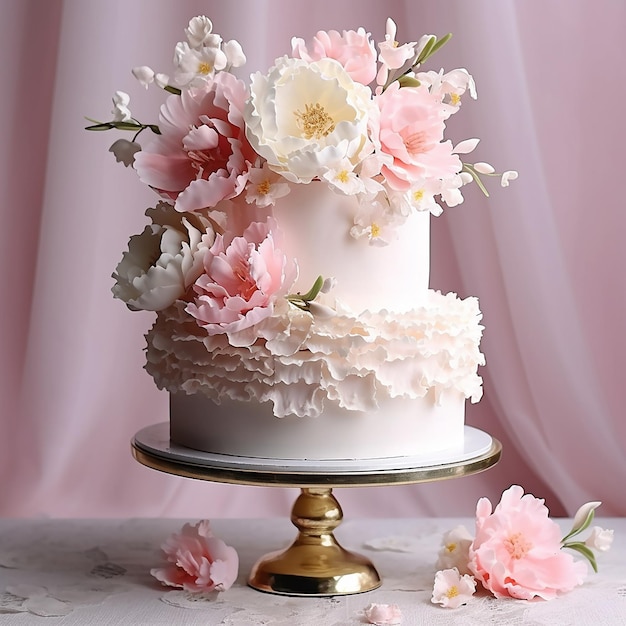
{"x":308,"y":118}
{"x":164,"y":260}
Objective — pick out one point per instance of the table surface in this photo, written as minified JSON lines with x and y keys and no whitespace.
{"x":76,"y":572}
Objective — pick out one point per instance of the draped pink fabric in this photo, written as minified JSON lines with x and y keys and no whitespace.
{"x":545,"y":256}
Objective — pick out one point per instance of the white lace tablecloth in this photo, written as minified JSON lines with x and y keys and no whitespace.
{"x":96,"y":572}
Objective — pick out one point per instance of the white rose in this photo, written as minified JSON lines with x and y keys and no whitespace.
{"x":305,"y":118}
{"x":164,"y":260}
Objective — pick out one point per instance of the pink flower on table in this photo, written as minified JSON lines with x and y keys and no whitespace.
{"x":452,"y":589}
{"x":242,"y":281}
{"x":382,"y":614}
{"x":517,"y":549}
{"x":198,"y":561}
{"x":408,"y":132}
{"x":353,"y":49}
{"x":202,"y":155}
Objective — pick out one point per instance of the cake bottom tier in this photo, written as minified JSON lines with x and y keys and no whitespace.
{"x":400,"y":427}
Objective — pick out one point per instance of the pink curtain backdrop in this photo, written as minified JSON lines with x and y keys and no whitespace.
{"x":545,"y":256}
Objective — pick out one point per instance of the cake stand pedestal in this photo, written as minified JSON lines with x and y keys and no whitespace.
{"x":315,"y":564}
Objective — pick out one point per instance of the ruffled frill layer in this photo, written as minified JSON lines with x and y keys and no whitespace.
{"x":301,"y":361}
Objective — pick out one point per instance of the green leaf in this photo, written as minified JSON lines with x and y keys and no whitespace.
{"x":408,"y":81}
{"x":442,"y":42}
{"x":314,"y":291}
{"x":580,"y":547}
{"x":579,"y":529}
{"x":99,"y":127}
{"x":426,"y":51}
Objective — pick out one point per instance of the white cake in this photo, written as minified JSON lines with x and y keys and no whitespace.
{"x":386,"y":375}
{"x":288,"y":259}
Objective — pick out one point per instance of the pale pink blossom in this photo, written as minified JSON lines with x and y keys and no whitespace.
{"x":353,"y":49}
{"x":449,"y":87}
{"x":265,"y":186}
{"x":382,"y":614}
{"x":452,"y":589}
{"x":393,"y":55}
{"x":202,"y":155}
{"x":243,"y":279}
{"x":198,"y":561}
{"x":517,"y":549}
{"x":410,"y":129}
{"x":454,"y":551}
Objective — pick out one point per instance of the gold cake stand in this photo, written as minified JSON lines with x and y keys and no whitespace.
{"x":315,"y":564}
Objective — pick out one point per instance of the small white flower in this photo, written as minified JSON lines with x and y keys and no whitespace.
{"x":234,"y":53}
{"x":121,"y":112}
{"x":506,"y":177}
{"x":144,"y":74}
{"x":197,"y":66}
{"x":600,"y":539}
{"x":124,"y":151}
{"x":451,"y":590}
{"x":341,"y":177}
{"x":198,"y":31}
{"x":454,"y":551}
{"x":264,"y":187}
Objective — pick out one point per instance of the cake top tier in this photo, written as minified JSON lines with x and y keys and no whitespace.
{"x":364,"y":119}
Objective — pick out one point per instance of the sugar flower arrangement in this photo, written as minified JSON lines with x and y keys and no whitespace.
{"x":517,"y":552}
{"x":363,"y":119}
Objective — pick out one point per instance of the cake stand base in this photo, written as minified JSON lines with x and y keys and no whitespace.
{"x":315,"y":564}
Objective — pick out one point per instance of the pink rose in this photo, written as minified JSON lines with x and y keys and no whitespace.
{"x":241,"y":283}
{"x":353,"y":49}
{"x":198,"y":561}
{"x":202,"y":155}
{"x":408,"y":133}
{"x":517,"y":549}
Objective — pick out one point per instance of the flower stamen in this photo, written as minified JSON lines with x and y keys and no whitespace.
{"x":315,"y":122}
{"x":517,"y":545}
{"x":204,"y":68}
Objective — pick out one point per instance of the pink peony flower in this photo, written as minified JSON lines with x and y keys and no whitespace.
{"x":241,"y":283}
{"x":198,"y":561}
{"x":202,"y":155}
{"x":408,"y":132}
{"x":353,"y":49}
{"x":517,"y":549}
